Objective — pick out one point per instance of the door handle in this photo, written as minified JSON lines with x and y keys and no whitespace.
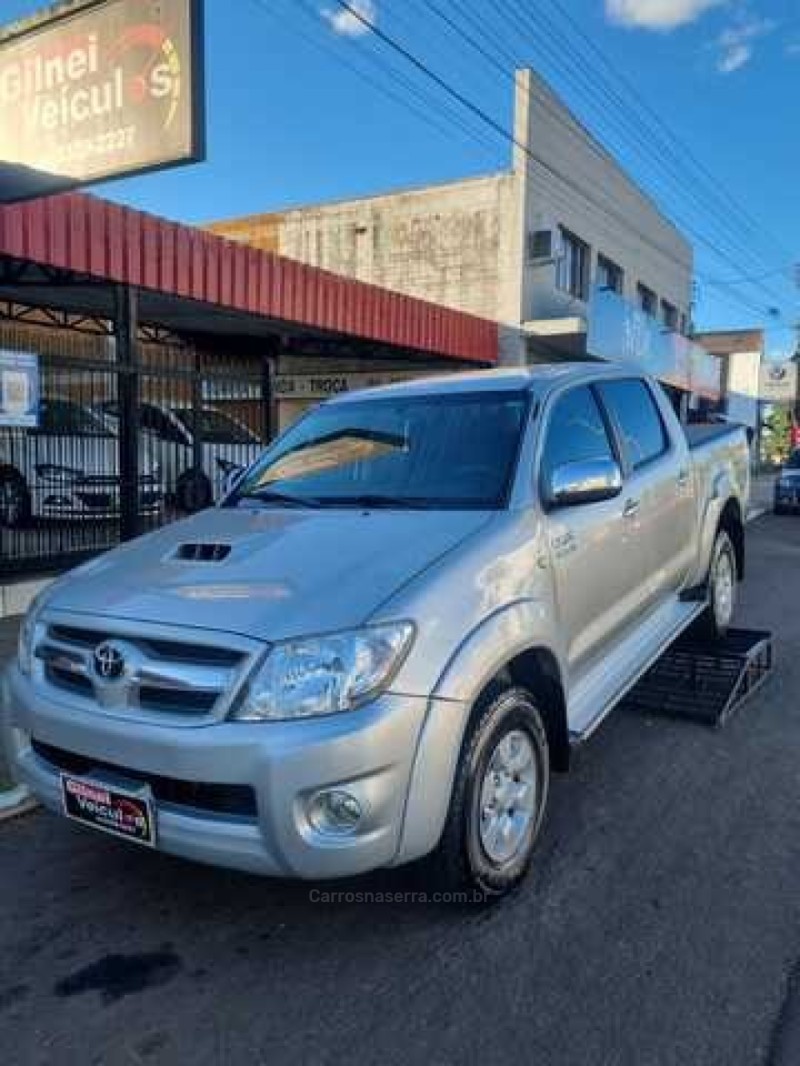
{"x":631,"y":509}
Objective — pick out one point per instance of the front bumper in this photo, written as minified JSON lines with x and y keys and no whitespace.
{"x":370,"y":752}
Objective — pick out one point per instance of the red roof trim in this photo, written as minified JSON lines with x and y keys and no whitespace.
{"x":115,"y":243}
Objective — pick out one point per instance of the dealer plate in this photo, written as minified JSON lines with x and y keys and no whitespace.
{"x":126,"y":813}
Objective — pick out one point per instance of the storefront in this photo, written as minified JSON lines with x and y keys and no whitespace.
{"x":162,"y":359}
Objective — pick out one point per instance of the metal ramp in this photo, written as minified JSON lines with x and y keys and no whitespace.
{"x":703,"y":681}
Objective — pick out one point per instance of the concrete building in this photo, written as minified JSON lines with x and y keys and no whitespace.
{"x":528,"y":248}
{"x":741,"y":353}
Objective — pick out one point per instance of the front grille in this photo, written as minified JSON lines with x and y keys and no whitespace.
{"x":187,"y":680}
{"x":236,"y":800}
{"x":173,"y":650}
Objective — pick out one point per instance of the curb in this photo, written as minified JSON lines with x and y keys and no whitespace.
{"x":757,"y":512}
{"x":17,"y":801}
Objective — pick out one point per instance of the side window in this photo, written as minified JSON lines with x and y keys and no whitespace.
{"x":150,"y":418}
{"x":632,"y":405}
{"x":576,"y":432}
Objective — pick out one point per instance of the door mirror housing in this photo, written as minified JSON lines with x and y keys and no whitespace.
{"x":588,"y":481}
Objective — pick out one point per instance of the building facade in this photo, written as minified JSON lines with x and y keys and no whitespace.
{"x":741,"y":353}
{"x":527,"y":247}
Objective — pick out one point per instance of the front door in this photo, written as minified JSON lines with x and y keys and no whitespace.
{"x":596,"y":549}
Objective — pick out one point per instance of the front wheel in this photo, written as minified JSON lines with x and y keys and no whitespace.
{"x":714,"y":624}
{"x":499,"y":798}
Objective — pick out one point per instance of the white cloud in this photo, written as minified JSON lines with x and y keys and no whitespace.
{"x":347,"y":23}
{"x":658,"y":14}
{"x":737,"y":43}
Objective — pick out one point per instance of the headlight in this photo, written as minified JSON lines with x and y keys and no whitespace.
{"x":62,"y":474}
{"x":323,"y":675}
{"x":27,"y":634}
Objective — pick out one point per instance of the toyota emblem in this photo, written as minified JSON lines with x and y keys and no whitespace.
{"x":109,"y":661}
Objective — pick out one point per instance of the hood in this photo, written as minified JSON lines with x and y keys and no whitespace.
{"x":287,"y":573}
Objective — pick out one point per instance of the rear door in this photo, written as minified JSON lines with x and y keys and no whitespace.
{"x":596,"y":551}
{"x":659,"y":484}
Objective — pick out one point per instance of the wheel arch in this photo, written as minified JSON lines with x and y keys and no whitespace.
{"x":731,"y":521}
{"x":534,"y":668}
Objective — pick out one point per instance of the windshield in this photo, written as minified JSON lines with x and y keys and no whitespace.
{"x":214,"y":427}
{"x":793,"y":462}
{"x":451,"y":451}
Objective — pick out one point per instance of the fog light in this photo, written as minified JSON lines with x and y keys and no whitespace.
{"x":335,"y":812}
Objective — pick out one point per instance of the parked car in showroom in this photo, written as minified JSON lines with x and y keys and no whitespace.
{"x":384,"y":639}
{"x":196,"y":450}
{"x":787,"y":486}
{"x":67,"y":468}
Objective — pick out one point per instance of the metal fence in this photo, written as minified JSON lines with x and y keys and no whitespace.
{"x":126,"y":441}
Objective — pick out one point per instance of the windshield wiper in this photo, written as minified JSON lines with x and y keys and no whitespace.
{"x":285,"y":499}
{"x":380,"y":500}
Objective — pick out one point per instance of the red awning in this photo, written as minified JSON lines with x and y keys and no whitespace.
{"x":90,"y":236}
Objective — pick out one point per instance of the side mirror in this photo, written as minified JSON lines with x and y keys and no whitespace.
{"x":588,"y":481}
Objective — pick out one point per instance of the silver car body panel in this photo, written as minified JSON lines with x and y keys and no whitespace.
{"x":598,"y":587}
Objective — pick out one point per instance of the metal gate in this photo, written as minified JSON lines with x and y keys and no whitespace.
{"x":130,"y":436}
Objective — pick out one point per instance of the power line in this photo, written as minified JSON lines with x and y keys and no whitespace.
{"x":422,"y":112}
{"x":661,"y":150}
{"x":618,"y":113}
{"x":686,"y":151}
{"x":496,"y":126}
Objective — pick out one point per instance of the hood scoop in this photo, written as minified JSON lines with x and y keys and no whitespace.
{"x":202,"y":552}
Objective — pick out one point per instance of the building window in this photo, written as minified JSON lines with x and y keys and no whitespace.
{"x":609,"y":275}
{"x":648,"y":301}
{"x":540,"y":245}
{"x":572,"y":275}
{"x":669,"y":315}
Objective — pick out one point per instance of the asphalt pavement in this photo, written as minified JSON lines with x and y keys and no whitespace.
{"x":661,"y":924}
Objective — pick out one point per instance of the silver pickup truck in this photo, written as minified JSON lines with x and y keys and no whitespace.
{"x":386,"y":637}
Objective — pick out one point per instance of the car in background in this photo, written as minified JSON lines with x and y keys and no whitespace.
{"x":787,"y":486}
{"x":197,"y":449}
{"x":67,"y":468}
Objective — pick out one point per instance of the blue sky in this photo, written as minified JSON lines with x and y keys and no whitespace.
{"x":291,"y":122}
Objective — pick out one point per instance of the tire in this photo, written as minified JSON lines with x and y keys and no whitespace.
{"x":722,"y":578}
{"x":474,"y":854}
{"x":15,"y":500}
{"x":193,"y":491}
{"x":779,"y":509}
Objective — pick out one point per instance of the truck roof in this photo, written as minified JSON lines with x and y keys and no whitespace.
{"x":539,"y":378}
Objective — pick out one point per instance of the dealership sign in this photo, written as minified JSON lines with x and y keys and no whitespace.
{"x":323,"y":386}
{"x":778,"y":382}
{"x":103,"y":90}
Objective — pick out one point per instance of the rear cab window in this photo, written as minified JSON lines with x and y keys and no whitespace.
{"x":632,"y":407}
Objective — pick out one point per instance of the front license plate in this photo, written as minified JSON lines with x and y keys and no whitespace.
{"x":126,"y":813}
